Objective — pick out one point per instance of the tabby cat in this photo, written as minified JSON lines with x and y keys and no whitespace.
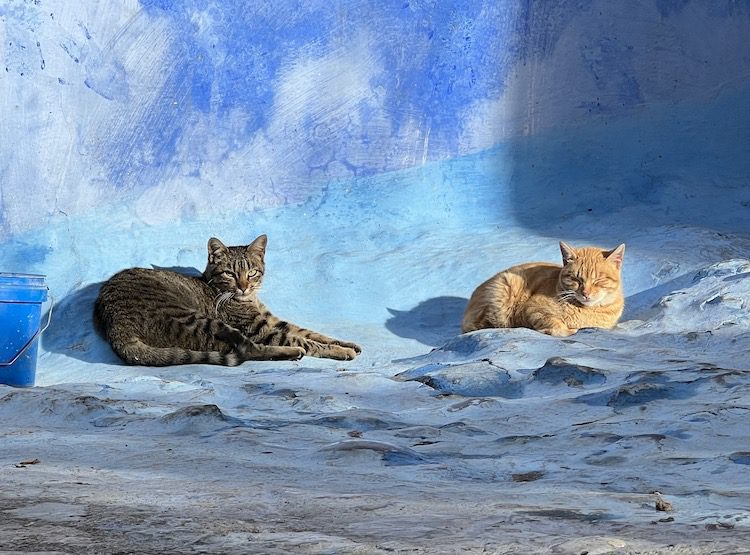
{"x":160,"y":317}
{"x":586,"y":292}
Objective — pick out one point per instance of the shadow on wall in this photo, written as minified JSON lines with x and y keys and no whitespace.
{"x":621,"y":116}
{"x":72,"y":332}
{"x":585,"y":176}
{"x":431,"y":322}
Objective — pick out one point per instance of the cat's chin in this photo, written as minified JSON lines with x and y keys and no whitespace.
{"x":589,"y":303}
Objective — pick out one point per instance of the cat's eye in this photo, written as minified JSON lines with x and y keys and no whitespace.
{"x":227,"y":273}
{"x":253,"y":273}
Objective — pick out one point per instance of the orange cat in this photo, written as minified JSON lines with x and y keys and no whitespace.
{"x":586,"y":292}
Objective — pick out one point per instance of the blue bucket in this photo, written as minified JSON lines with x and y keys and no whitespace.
{"x":21,"y":298}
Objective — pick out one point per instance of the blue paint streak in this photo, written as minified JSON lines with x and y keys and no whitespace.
{"x":438,"y":62}
{"x":225,"y":60}
{"x":243,"y":52}
{"x":228,"y":57}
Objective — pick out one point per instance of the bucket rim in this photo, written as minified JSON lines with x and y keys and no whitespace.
{"x":13,"y":281}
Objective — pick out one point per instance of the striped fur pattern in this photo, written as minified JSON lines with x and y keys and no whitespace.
{"x":585,"y":292}
{"x":162,"y":318}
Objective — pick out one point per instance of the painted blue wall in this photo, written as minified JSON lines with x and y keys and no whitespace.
{"x":127,"y":122}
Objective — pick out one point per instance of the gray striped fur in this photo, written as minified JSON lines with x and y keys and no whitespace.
{"x":162,"y":318}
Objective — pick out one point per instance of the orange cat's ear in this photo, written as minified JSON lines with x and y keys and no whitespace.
{"x":258,"y":246}
{"x":568,"y":253}
{"x":615,"y":255}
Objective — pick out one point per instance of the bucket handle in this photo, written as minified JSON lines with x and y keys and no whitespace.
{"x":20,"y":353}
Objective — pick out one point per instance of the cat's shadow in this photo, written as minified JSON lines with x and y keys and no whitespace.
{"x":71,"y":331}
{"x":431,"y":322}
{"x":435,"y":321}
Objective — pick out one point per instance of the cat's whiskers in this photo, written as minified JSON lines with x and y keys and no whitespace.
{"x":566,"y":296}
{"x":221,"y":298}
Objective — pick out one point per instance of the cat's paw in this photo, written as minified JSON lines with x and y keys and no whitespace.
{"x":559,"y":331}
{"x":352,"y":353}
{"x":353,"y":346}
{"x":337,"y":352}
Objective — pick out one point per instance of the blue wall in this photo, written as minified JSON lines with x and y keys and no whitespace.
{"x":125,"y":123}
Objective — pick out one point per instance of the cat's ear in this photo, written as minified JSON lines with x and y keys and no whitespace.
{"x":568,"y":253}
{"x":215,"y":249}
{"x":258,"y":247}
{"x":615,"y":255}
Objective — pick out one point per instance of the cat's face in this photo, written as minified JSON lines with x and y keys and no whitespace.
{"x":590,"y":276}
{"x":237,"y":272}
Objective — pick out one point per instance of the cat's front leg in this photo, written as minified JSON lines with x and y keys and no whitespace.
{"x":311,"y":348}
{"x":255,"y":351}
{"x":319,"y":337}
{"x":250,"y":350}
{"x":330,"y":350}
{"x":322,"y":350}
{"x":348,"y":344}
{"x":324,"y":339}
{"x":273,"y":331}
{"x":543,"y":320}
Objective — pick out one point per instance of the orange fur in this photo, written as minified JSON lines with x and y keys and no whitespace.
{"x":586,"y":292}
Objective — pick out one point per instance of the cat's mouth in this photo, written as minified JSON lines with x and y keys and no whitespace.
{"x":245,"y":296}
{"x":598,"y":301}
